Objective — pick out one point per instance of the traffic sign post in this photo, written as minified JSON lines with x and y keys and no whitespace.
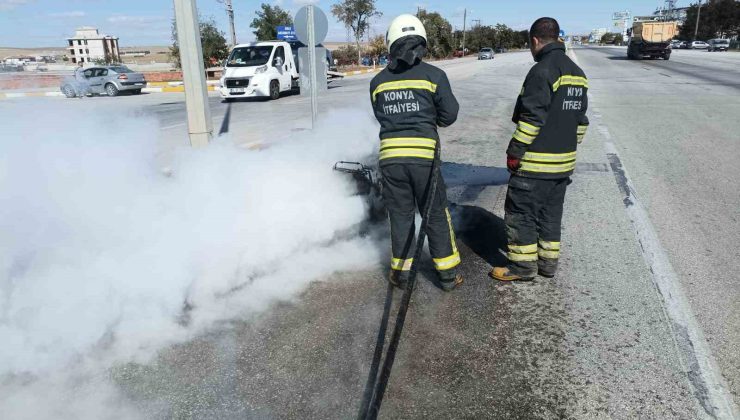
{"x":311,"y":27}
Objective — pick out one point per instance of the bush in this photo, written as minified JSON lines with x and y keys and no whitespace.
{"x":345,"y":55}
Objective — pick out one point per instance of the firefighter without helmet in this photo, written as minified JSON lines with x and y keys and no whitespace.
{"x":404,"y":25}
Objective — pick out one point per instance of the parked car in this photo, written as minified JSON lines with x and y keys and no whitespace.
{"x":501,"y":50}
{"x":681,"y":45}
{"x":110,"y":80}
{"x":718,"y":45}
{"x":383,"y":60}
{"x":485,"y":54}
{"x":366,"y":61}
{"x":699,"y":45}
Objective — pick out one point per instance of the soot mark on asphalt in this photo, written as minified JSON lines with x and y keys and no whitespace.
{"x":466,"y":181}
{"x":589,"y":167}
{"x":621,"y":177}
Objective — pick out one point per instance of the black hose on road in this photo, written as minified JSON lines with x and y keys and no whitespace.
{"x":373,"y":408}
{"x":372,"y":377}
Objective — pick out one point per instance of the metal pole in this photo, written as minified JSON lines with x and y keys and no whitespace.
{"x":200,"y":125}
{"x":230,"y":13}
{"x":698,"y":16}
{"x":312,"y":66}
{"x":465,"y":20}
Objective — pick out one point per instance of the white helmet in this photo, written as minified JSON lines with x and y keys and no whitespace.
{"x":404,"y":25}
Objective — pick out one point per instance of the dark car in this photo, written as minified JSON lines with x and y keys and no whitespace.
{"x":718,"y":45}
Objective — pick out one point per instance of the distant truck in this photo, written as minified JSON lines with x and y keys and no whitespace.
{"x":264,"y":69}
{"x":651,"y":39}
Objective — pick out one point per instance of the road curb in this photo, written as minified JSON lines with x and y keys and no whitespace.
{"x":161,"y":87}
{"x":358,"y":72}
{"x":172,"y":89}
{"x":179,"y":83}
{"x":166,"y":89}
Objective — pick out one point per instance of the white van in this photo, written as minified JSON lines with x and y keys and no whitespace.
{"x":259,"y":69}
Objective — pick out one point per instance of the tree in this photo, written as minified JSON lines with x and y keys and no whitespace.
{"x":618,"y":39}
{"x":214,"y":44}
{"x":608,"y":38}
{"x":267,"y":21}
{"x":356,"y":15}
{"x":377,"y":46}
{"x":498,"y":36}
{"x":719,"y":18}
{"x":439,"y":34}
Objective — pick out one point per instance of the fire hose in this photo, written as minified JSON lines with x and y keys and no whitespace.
{"x":372,"y":400}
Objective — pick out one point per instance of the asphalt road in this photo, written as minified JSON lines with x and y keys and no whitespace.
{"x":595,"y":342}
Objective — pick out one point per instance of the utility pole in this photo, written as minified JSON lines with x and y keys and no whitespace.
{"x":200,"y":124}
{"x":698,"y":16}
{"x":465,"y":20}
{"x":230,"y":13}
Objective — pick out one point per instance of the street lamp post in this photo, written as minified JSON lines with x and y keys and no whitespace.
{"x":200,"y":124}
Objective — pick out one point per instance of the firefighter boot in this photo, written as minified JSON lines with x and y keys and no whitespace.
{"x":398,"y":278}
{"x":504,"y":274}
{"x":547,"y":267}
{"x":449,"y":283}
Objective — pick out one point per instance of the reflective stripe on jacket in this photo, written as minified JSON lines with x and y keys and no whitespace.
{"x":410,"y":103}
{"x":550,"y":116}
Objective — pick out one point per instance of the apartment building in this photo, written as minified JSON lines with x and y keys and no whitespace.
{"x":88,"y":45}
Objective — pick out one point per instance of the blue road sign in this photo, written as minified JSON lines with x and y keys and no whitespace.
{"x":286,"y":33}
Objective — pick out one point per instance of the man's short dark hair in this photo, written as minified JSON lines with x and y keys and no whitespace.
{"x":545,"y":29}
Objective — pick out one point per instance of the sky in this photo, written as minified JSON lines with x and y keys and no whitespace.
{"x":47,"y":23}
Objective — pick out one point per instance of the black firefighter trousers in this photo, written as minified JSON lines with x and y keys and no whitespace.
{"x":405,"y":188}
{"x":534,"y":210}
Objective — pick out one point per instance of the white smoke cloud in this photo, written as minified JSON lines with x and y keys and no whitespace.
{"x":99,"y":251}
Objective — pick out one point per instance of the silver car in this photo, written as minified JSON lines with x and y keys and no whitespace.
{"x":485,"y":54}
{"x":110,"y":80}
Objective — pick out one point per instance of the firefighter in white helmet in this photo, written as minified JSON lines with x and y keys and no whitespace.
{"x":411,"y":99}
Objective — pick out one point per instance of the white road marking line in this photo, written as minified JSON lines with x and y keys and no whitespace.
{"x":167,"y":127}
{"x":702,"y":370}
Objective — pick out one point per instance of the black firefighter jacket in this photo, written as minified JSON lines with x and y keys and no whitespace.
{"x":550,"y":115}
{"x":409,"y":104}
